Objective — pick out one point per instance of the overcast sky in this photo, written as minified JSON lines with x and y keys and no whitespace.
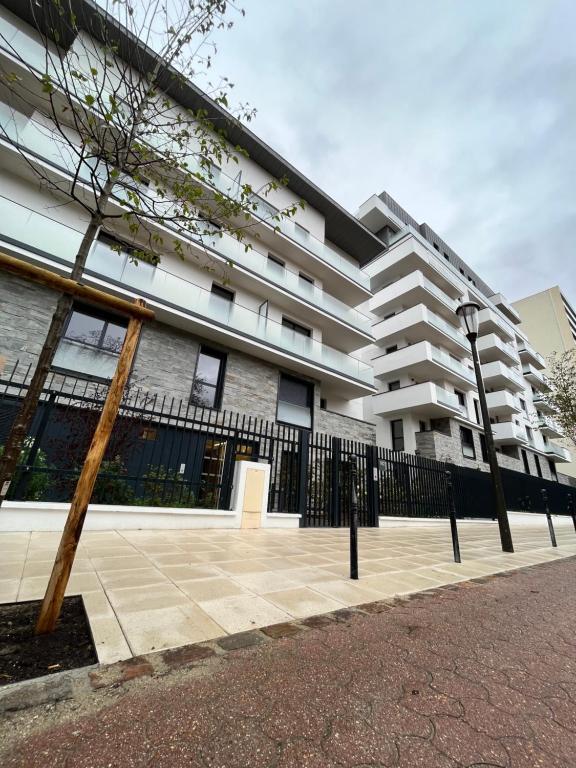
{"x":463,"y":110}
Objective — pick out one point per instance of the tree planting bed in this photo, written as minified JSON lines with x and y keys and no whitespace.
{"x":24,"y":655}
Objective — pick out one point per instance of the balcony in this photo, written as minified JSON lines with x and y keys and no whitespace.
{"x":409,"y":291}
{"x":536,"y":379}
{"x":549,"y":427}
{"x":509,"y":433}
{"x":40,"y":141}
{"x":557,"y":452}
{"x":506,"y":308}
{"x":427,"y":400}
{"x":540,"y":401}
{"x":503,"y":403}
{"x":407,"y":255}
{"x":424,"y":361}
{"x":496,"y":375}
{"x":529,"y":355}
{"x":421,"y":324}
{"x":492,"y":348}
{"x":37,"y":232}
{"x":490,"y":322}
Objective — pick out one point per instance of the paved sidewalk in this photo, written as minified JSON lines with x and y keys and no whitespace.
{"x":148,"y":590}
{"x":479,"y":675}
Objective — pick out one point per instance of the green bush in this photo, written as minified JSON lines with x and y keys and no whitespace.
{"x":111,"y":487}
{"x":163,"y":487}
{"x":37,"y":481}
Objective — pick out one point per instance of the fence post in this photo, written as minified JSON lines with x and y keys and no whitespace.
{"x":373,"y":481}
{"x":335,"y":482}
{"x":303,"y":450}
{"x":452,"y":514}
{"x":353,"y":518}
{"x":549,"y":517}
{"x":570,"y":510}
{"x":28,"y":468}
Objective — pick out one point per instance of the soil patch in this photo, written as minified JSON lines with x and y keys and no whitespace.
{"x":24,"y":655}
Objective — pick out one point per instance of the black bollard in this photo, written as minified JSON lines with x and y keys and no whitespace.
{"x":570,"y":509}
{"x":452,"y":514}
{"x":549,"y":517}
{"x":353,"y":519}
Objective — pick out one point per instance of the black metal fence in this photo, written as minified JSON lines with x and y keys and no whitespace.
{"x":166,"y":452}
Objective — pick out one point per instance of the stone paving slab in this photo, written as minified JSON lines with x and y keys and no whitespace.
{"x":480,"y":674}
{"x":150,"y":590}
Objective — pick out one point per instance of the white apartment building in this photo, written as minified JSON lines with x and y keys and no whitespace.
{"x":274,"y":335}
{"x":427,"y":400}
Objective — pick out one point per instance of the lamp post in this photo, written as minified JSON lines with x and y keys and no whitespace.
{"x":468,"y":314}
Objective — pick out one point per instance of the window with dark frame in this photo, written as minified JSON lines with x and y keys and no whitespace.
{"x":222,"y":293}
{"x":552,"y":468}
{"x":467,"y":441}
{"x":276,"y":262}
{"x":95,"y":329}
{"x":477,"y":412}
{"x":295,"y":401}
{"x":296,"y":327}
{"x":538,"y":467}
{"x":393,"y":385}
{"x":305,"y":278}
{"x":209,"y":378}
{"x":397,"y":433}
{"x":525,"y":461}
{"x":483,"y":448}
{"x":393,"y":348}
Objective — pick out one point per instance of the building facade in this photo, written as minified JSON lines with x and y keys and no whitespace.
{"x":550,"y":322}
{"x":427,"y":400}
{"x":271,"y":331}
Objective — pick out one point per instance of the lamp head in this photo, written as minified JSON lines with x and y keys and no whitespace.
{"x":468,"y":313}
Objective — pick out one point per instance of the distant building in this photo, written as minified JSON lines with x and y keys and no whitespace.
{"x":550,"y":322}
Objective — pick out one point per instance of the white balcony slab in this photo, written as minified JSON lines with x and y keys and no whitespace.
{"x":557,"y":452}
{"x":410,"y":290}
{"x":491,"y":348}
{"x":496,"y":375}
{"x":427,"y":400}
{"x":502,"y":403}
{"x":490,"y":322}
{"x":508,"y":432}
{"x":421,"y":324}
{"x":425,"y":362}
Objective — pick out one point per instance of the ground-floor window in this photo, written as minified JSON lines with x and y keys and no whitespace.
{"x":397,"y":433}
{"x":467,"y":440}
{"x":552,"y":468}
{"x":295,"y":401}
{"x":208,"y":378}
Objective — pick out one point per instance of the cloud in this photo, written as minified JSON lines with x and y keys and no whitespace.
{"x":465,"y":112}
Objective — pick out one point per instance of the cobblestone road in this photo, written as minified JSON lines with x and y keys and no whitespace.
{"x":476,"y":676}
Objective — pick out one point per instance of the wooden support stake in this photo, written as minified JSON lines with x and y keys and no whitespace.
{"x":52,"y":603}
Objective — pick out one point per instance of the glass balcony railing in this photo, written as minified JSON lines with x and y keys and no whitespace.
{"x":22,"y":225}
{"x":439,"y":293}
{"x":447,"y":398}
{"x":557,"y":450}
{"x":44,"y":143}
{"x":18,"y":218}
{"x":454,"y":365}
{"x":450,"y":330}
{"x":181,"y":293}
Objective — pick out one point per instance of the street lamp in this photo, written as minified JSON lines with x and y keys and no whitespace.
{"x":468,"y":314}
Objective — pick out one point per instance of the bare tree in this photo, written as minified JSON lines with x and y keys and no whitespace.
{"x":562,"y":394}
{"x":104,"y":102}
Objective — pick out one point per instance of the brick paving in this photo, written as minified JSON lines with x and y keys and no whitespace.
{"x":476,"y":675}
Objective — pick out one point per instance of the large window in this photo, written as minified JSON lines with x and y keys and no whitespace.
{"x":295,"y":399}
{"x":91,"y":343}
{"x":209,"y":378}
{"x":467,"y":440}
{"x":397,"y":432}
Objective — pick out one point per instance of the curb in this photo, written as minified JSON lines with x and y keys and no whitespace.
{"x":102,"y":679}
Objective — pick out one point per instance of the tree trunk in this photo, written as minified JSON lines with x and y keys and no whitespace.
{"x":17,"y":435}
